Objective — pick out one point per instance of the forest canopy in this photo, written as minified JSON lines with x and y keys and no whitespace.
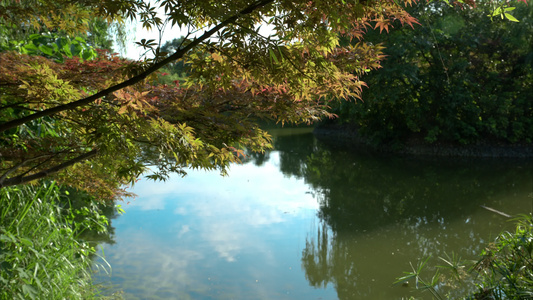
{"x":459,"y":79}
{"x":75,"y":112}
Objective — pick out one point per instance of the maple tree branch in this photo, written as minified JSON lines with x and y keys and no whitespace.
{"x":295,"y":66}
{"x":19,"y":165}
{"x":24,"y":179}
{"x":49,"y":158}
{"x":137,"y":78}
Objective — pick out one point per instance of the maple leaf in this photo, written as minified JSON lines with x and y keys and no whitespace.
{"x":382,"y":24}
{"x":217,"y":57}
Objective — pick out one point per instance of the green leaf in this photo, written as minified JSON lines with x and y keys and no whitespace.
{"x":273,"y":56}
{"x":86,"y":55}
{"x":66,"y":50}
{"x":408,"y":276}
{"x":34,"y":36}
{"x":511,"y":18}
{"x":497,"y":11}
{"x":119,"y":209}
{"x":76,"y":49}
{"x":31,"y":47}
{"x":7,"y":238}
{"x":29,"y":290}
{"x":26,"y":242}
{"x":46,"y":50}
{"x":79,"y":39}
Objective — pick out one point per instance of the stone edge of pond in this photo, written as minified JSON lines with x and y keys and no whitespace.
{"x":345,"y":135}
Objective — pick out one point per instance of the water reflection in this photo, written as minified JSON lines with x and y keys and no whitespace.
{"x":308,"y":221}
{"x":209,"y":237}
{"x":380,"y":212}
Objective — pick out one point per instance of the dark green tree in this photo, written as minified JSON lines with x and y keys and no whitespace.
{"x":459,"y":78}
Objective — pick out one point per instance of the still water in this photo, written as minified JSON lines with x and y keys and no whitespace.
{"x":308,"y":221}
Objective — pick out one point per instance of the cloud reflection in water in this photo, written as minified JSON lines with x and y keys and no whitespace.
{"x":205,"y":234}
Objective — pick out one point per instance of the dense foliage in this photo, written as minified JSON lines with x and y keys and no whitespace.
{"x":41,"y":254}
{"x":105,"y":118}
{"x":458,"y":78}
{"x":95,"y":121}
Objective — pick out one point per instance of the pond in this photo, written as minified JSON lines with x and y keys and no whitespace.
{"x":308,"y":221}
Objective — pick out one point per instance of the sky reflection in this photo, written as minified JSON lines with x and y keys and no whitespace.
{"x":208,"y":236}
{"x":255,"y":234}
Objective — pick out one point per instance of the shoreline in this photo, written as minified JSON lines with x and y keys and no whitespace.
{"x":346,"y":135}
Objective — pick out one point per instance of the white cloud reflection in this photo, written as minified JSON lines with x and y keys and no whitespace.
{"x":182,"y":233}
{"x":227,"y":211}
{"x":247,"y":190}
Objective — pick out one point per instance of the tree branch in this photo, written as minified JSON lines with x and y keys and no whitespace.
{"x":24,"y":179}
{"x":19,"y":165}
{"x":138,"y":78}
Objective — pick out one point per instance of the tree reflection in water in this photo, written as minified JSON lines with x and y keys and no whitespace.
{"x":380,"y":212}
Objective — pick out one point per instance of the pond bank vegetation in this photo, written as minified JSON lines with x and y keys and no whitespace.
{"x":42,"y":254}
{"x":504,"y":269}
{"x":348,"y":135}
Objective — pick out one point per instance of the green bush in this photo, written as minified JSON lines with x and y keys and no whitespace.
{"x":41,"y":256}
{"x":457,"y":78}
{"x":506,"y":266}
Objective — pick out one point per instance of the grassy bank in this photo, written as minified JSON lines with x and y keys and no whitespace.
{"x":41,"y":256}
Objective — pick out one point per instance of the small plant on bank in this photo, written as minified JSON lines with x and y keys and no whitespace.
{"x":504,"y":270}
{"x":41,"y":256}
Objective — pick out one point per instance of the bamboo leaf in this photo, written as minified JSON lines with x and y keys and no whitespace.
{"x":511,"y":17}
{"x":273,"y":56}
